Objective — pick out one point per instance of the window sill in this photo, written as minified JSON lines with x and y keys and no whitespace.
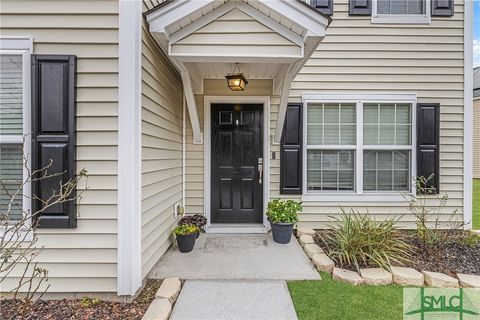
{"x":354,"y":197}
{"x":399,"y":19}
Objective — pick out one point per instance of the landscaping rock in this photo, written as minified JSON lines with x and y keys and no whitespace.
{"x":159,"y":309}
{"x":308,"y":231}
{"x":439,"y":280}
{"x":311,"y":249}
{"x":347,"y":276}
{"x":305,"y":239}
{"x":407,"y":276}
{"x":468,"y":280}
{"x":323,"y":263}
{"x":169,"y":289}
{"x":376,"y":276}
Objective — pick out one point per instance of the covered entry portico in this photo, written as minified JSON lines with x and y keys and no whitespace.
{"x":207,"y":39}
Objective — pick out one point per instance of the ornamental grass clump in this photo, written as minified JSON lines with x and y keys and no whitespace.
{"x":359,"y":240}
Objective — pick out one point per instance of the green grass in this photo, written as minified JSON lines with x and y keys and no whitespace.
{"x":476,"y":204}
{"x":330,"y":299}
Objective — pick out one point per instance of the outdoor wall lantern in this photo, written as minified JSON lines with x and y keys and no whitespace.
{"x":236,"y":81}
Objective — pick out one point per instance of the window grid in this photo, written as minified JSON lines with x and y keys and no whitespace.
{"x":395,"y":124}
{"x":358,"y":155}
{"x":338,"y":170}
{"x":320,"y":149}
{"x":9,"y":138}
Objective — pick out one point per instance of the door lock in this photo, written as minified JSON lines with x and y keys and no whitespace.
{"x":260,"y":170}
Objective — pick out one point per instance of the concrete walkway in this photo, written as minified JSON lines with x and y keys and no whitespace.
{"x":237,"y":257}
{"x":236,"y":276}
{"x":234,"y":300}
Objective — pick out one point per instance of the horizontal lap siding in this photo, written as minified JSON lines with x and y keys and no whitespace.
{"x":162,"y":117}
{"x":357,"y":56}
{"x":81,"y":259}
{"x":476,"y":138}
{"x":235,"y":33}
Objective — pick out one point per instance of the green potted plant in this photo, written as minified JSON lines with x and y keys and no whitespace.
{"x":186,"y":234}
{"x":283,"y":214}
{"x":198,"y":220}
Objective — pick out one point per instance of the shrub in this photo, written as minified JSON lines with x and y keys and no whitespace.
{"x":283,"y":211}
{"x":196,"y":219}
{"x":434,"y":228}
{"x":185,"y":229}
{"x":90,"y":302}
{"x":357,"y":239}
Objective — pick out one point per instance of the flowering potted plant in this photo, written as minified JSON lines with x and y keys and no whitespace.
{"x":283,"y":214}
{"x":198,"y":220}
{"x":186,"y":235}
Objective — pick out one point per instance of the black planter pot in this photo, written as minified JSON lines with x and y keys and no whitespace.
{"x":186,"y":243}
{"x":282,"y":232}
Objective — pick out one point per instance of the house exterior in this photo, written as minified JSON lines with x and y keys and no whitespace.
{"x":476,"y":123}
{"x":347,"y":101}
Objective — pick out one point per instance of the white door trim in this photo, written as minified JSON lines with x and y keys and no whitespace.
{"x":208,"y":100}
{"x":129,"y":251}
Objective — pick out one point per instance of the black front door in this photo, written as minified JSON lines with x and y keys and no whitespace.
{"x":237,"y":146}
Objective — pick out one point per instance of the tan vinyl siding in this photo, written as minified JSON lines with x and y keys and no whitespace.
{"x":162,"y":123}
{"x":235,"y":34}
{"x":357,"y":56}
{"x":84,"y":258}
{"x":476,"y":138}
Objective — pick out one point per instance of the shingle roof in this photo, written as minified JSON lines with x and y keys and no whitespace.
{"x":476,"y":82}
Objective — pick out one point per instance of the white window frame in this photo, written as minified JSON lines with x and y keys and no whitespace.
{"x":358,"y":195}
{"x":22,"y":45}
{"x":401,"y":18}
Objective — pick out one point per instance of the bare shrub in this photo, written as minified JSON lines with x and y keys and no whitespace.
{"x":18,"y":242}
{"x":434,"y":226}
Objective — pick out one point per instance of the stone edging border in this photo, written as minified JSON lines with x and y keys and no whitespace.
{"x":379,"y":276}
{"x":162,"y":305}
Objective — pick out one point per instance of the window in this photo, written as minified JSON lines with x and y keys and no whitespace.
{"x":359,"y":147}
{"x":401,"y":11}
{"x":331,"y":135}
{"x":14,"y":123}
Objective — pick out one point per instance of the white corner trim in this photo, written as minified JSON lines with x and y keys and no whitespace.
{"x":208,"y":100}
{"x":129,"y":260}
{"x":468,"y":115}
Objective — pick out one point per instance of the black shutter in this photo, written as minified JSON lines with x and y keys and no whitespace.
{"x":428,"y":143}
{"x":360,"y":7}
{"x":443,"y":8}
{"x":291,"y":151}
{"x":53,"y":134}
{"x":324,"y":6}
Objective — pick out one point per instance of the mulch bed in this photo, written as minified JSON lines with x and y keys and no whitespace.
{"x":452,"y":258}
{"x":78,"y":309}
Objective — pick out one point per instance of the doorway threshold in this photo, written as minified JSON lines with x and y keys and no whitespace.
{"x":236,"y":228}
